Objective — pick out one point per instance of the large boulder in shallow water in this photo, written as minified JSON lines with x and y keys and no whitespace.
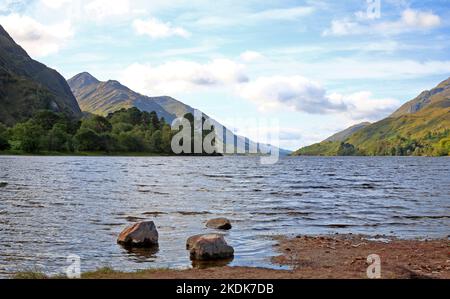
{"x":190,"y":241}
{"x":219,"y":223}
{"x":142,"y":234}
{"x":209,"y":247}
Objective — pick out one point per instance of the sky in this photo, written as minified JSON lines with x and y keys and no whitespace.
{"x":316,"y":67}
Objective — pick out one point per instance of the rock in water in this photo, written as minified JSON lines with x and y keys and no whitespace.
{"x":3,"y":184}
{"x":210,"y":247}
{"x":190,"y":241}
{"x":219,"y":223}
{"x":142,"y":234}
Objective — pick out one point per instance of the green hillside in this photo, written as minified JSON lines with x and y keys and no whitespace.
{"x":27,"y":86}
{"x":20,"y":98}
{"x":423,"y":131}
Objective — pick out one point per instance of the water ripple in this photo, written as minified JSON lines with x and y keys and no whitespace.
{"x":51,"y":207}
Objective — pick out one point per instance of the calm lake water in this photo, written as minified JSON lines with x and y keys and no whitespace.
{"x":55,"y":206}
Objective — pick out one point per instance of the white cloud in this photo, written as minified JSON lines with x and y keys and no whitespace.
{"x":36,"y":38}
{"x":419,"y":19}
{"x":157,"y":29}
{"x":362,"y":106}
{"x":183,"y":76}
{"x":344,"y":27}
{"x":304,"y":95}
{"x":269,"y":93}
{"x":410,"y":20}
{"x":250,"y":56}
{"x":295,"y":92}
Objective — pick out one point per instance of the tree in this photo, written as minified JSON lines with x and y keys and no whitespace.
{"x":132,"y":116}
{"x":155,"y":120}
{"x":4,"y":144}
{"x":47,"y":119}
{"x":166,"y":139}
{"x":347,"y":149}
{"x":154,"y":143}
{"x":443,"y":148}
{"x":121,"y":127}
{"x":107,"y":143}
{"x":129,"y":141}
{"x":27,"y":136}
{"x":87,"y":140}
{"x":146,"y":120}
{"x":98,"y":124}
{"x":119,"y":116}
{"x":135,"y":116}
{"x":125,"y":130}
{"x":58,"y":140}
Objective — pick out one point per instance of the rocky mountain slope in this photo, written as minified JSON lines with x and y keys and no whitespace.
{"x":27,"y":85}
{"x":436,"y":97}
{"x":102,"y":98}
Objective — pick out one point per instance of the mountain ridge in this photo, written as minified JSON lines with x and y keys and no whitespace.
{"x":28,"y":85}
{"x":344,"y":134}
{"x":104,"y":97}
{"x":424,"y":100}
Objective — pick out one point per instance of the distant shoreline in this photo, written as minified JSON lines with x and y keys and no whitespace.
{"x":138,"y":154}
{"x":82,"y":154}
{"x":97,"y":154}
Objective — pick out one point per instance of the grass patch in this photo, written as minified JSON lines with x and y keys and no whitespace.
{"x":109,"y":273}
{"x":30,"y":275}
{"x":101,"y":273}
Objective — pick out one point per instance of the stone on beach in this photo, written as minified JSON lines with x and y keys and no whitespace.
{"x":209,"y":247}
{"x":219,"y":223}
{"x":143,"y":234}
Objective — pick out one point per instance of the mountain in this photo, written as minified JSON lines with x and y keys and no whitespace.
{"x":436,"y":97}
{"x":420,"y":127}
{"x":27,"y":85}
{"x":343,"y":135}
{"x":102,"y":98}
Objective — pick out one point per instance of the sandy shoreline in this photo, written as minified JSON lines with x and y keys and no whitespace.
{"x":320,"y":257}
{"x":345,"y":256}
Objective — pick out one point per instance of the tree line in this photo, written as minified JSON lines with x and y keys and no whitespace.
{"x":126,"y":130}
